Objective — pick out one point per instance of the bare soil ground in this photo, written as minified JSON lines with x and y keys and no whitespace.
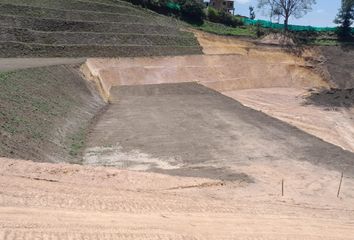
{"x":223,"y":164}
{"x":340,"y":61}
{"x":325,"y":113}
{"x":187,"y":129}
{"x":58,"y":201}
{"x":305,"y":110}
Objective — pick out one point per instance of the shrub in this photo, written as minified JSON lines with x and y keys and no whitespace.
{"x":213,"y":15}
{"x":189,"y":10}
{"x":223,"y":18}
{"x":192,"y":11}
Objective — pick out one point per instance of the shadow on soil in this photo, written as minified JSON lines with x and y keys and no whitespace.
{"x":222,"y":174}
{"x":332,"y":98}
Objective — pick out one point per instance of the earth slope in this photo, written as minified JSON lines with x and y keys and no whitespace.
{"x":84,"y":28}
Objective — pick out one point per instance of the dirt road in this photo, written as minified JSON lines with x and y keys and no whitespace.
{"x":47,"y":201}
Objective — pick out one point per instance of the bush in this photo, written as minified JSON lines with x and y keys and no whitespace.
{"x":193,"y":11}
{"x":223,"y":18}
{"x":189,"y":10}
{"x":213,"y":15}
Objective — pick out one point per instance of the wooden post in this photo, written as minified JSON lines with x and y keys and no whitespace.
{"x":340,"y":185}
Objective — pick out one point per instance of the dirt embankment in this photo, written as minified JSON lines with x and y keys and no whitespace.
{"x":44,"y":112}
{"x":339,"y":62}
{"x":219,"y":72}
{"x":325,"y":113}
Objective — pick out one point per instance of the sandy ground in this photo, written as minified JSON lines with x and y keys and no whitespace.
{"x":47,"y":201}
{"x":334,"y":125}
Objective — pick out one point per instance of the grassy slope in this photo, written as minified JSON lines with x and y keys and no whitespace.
{"x":43,"y":112}
{"x":314,"y":38}
{"x":87,"y":28}
{"x":220,"y":29}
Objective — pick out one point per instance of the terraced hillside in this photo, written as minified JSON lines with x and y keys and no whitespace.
{"x":86,"y":28}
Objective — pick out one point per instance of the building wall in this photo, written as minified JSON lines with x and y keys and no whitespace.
{"x":222,"y":5}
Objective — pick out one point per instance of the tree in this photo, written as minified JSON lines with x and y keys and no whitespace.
{"x":252,"y":13}
{"x":287,"y":8}
{"x":345,"y":18}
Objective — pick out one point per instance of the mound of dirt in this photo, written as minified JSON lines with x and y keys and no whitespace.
{"x":44,"y":112}
{"x":278,"y":39}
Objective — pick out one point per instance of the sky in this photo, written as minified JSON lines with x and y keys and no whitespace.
{"x":322,"y":15}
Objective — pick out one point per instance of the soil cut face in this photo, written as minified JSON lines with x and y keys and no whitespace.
{"x":340,"y":61}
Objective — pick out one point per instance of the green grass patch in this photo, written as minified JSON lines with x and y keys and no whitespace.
{"x":40,"y":108}
{"x":77,"y":142}
{"x":29,"y":103}
{"x":220,"y":29}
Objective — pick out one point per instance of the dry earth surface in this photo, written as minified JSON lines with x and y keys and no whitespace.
{"x":332,"y":124}
{"x":223,"y":164}
{"x":330,"y":116}
{"x":59,"y":201}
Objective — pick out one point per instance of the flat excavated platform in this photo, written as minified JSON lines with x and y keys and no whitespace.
{"x":189,"y":130}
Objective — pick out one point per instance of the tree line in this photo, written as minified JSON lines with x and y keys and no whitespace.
{"x":298,"y":8}
{"x":195,"y":11}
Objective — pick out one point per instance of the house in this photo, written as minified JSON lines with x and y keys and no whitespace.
{"x":223,"y":5}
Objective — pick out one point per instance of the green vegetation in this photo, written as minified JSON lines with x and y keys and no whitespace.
{"x":24,"y":110}
{"x":90,"y":28}
{"x":286,"y":9}
{"x":40,"y":108}
{"x":77,"y":142}
{"x":220,"y":29}
{"x":222,"y":17}
{"x":189,"y":10}
{"x":345,"y":19}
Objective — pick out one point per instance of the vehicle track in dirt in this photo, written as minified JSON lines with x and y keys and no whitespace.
{"x":106,"y":203}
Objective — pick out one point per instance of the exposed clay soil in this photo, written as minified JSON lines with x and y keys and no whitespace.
{"x":58,"y":201}
{"x":340,"y":61}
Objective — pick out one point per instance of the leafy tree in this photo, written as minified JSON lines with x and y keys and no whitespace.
{"x":252,"y":13}
{"x":287,"y":8}
{"x":345,"y":18}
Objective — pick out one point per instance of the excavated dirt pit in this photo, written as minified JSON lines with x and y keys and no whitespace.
{"x":187,"y":129}
{"x":207,"y":167}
